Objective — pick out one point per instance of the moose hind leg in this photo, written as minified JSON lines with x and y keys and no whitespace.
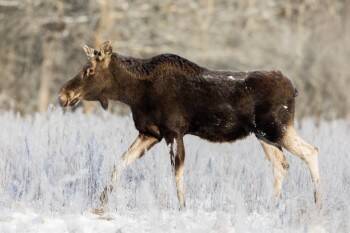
{"x":308,"y":153}
{"x":279,"y":164}
{"x":177,"y":162}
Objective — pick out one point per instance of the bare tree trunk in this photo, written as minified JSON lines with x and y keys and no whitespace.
{"x":46,"y":76}
{"x":52,"y":30}
{"x":104,"y":22}
{"x":102,"y":27}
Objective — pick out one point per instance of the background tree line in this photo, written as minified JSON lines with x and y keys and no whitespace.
{"x":307,"y":39}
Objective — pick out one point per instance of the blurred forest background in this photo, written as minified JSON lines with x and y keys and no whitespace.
{"x":308,"y":40}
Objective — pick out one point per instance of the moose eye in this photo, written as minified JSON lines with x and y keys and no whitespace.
{"x":89,"y":72}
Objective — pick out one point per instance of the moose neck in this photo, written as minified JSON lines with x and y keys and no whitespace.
{"x":126,"y":87}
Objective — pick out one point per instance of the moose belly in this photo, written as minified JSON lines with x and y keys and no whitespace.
{"x":219,"y":127}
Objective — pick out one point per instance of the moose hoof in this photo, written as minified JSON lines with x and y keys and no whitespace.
{"x":317,"y":200}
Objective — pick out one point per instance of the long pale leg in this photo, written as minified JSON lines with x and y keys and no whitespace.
{"x":135,"y":151}
{"x":177,"y":162}
{"x":279,"y":164}
{"x":308,"y":153}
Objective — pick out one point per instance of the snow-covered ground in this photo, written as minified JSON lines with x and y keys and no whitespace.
{"x":54,"y":165}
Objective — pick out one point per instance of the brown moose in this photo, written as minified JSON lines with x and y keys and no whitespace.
{"x":170,"y":97}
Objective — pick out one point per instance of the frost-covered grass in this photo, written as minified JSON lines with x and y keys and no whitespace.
{"x":54,"y":165}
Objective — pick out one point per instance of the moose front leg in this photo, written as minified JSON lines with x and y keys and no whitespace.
{"x":177,"y":162}
{"x":135,"y":151}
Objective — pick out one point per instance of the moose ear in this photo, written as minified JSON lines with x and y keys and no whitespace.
{"x":90,"y":52}
{"x":106,"y":48}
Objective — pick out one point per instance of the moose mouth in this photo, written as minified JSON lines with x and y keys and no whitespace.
{"x":74,"y":102}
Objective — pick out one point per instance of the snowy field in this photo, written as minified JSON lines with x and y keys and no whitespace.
{"x":54,"y":165}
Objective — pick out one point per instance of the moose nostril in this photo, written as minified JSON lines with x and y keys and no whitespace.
{"x":62,"y":99}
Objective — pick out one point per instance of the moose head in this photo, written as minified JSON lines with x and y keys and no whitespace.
{"x":92,"y":80}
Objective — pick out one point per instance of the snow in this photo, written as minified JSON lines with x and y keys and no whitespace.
{"x":54,"y":165}
{"x":208,"y":76}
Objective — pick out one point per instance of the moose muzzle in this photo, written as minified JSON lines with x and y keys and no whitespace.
{"x":63,"y":100}
{"x":66,"y":100}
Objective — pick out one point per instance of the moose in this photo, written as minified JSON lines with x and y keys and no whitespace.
{"x":170,"y":96}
